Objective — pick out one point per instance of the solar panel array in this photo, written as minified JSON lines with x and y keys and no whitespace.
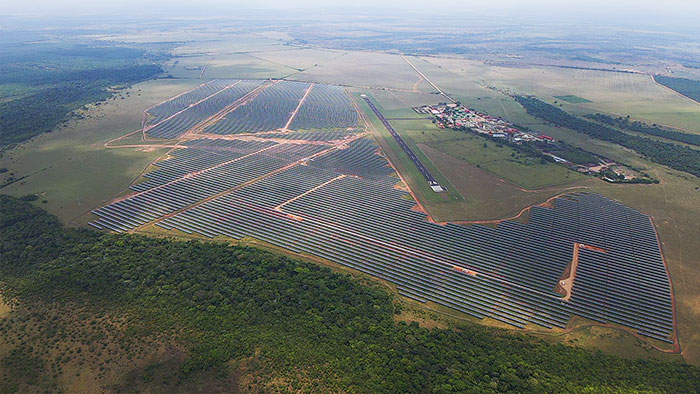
{"x":199,"y":155}
{"x":198,"y":111}
{"x":317,"y":135}
{"x":182,"y":101}
{"x":326,"y":106}
{"x":341,"y":203}
{"x":165,"y":196}
{"x":270,"y":110}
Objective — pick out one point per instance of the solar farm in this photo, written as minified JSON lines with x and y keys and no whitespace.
{"x":286,"y":163}
{"x":225,"y":107}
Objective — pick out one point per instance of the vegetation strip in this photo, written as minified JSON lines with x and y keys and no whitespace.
{"x":676,"y":156}
{"x":639,"y":127}
{"x":689,"y":88}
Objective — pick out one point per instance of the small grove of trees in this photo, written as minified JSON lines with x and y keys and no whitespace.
{"x":676,"y":156}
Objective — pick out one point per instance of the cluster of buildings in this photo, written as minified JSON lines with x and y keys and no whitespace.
{"x":456,"y":116}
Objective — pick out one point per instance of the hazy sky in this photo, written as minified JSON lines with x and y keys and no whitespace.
{"x":679,"y":7}
{"x":656,"y":12}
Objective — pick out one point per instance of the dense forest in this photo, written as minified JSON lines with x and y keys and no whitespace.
{"x":40,"y":86}
{"x":640,"y":127}
{"x":676,"y":156}
{"x":306,"y":325}
{"x":684,"y":86}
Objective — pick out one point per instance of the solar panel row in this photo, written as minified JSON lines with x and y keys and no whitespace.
{"x":270,"y":110}
{"x":326,"y":106}
{"x":169,"y":197}
{"x":195,"y":113}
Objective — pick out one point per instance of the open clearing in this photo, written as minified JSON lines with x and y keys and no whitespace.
{"x":525,"y":172}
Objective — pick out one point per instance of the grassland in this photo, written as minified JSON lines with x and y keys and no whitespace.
{"x":222,"y":66}
{"x":609,"y":92}
{"x":503,"y":161}
{"x":299,"y":58}
{"x":365,"y":69}
{"x":392,"y":100}
{"x":573,"y":99}
{"x":72,"y":170}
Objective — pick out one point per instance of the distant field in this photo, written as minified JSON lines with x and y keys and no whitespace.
{"x":299,"y":58}
{"x":609,"y":92}
{"x":570,"y":98}
{"x":362,"y":69}
{"x":393,"y":100}
{"x":244,"y":66}
{"x":225,"y":66}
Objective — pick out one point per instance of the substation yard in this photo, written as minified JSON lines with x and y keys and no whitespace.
{"x":241,"y":170}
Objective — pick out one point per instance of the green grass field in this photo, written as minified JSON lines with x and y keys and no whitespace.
{"x":504,"y":162}
{"x":570,"y":98}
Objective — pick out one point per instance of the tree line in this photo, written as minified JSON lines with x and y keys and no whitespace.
{"x":640,"y":127}
{"x":38,"y":113}
{"x":676,"y":156}
{"x":229,"y":302}
{"x":684,"y":86}
{"x":54,"y":82}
